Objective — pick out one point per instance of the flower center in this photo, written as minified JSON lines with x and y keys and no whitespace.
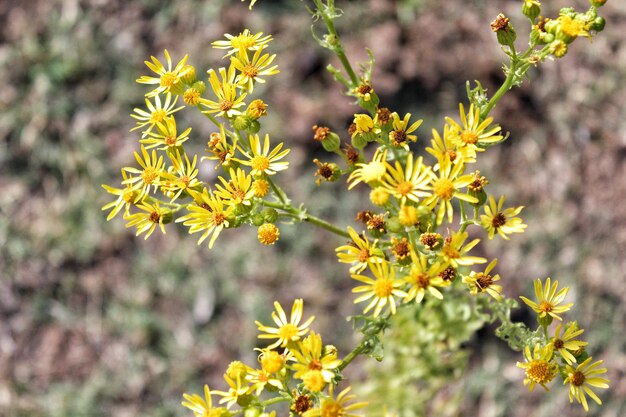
{"x":288,"y":331}
{"x":421,"y":280}
{"x":468,"y":137}
{"x":129,"y":195}
{"x":168,"y":79}
{"x":332,"y":409}
{"x":404,"y":188}
{"x":558,"y":344}
{"x":158,"y":116}
{"x":191,"y":96}
{"x":314,"y":381}
{"x":226,"y":105}
{"x":539,"y":372}
{"x":170,"y":140}
{"x":148,"y":175}
{"x":260,"y":163}
{"x":484,"y":281}
{"x":218,"y":219}
{"x":250,"y":71}
{"x":451,"y":252}
{"x":372,"y":171}
{"x":242,"y":42}
{"x":364,"y":255}
{"x":545,"y":307}
{"x":577,"y":378}
{"x":498,"y":220}
{"x":238,"y":196}
{"x":315,"y":365}
{"x":383,"y":288}
{"x":444,"y":188}
{"x":398,"y":137}
{"x":451,"y":154}
{"x":155,"y":217}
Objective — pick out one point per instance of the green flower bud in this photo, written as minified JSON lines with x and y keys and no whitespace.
{"x":241,"y":209}
{"x":504,"y":30}
{"x":245,"y":400}
{"x":252,"y":412}
{"x":551,"y":26}
{"x":200,"y":86}
{"x":597,"y":24}
{"x":332,"y":143}
{"x":166,"y":216}
{"x":242,"y":122}
{"x":177,"y":88}
{"x":269,"y":215}
{"x":568,"y":11}
{"x":531,"y":9}
{"x":546,"y":38}
{"x":359,"y":141}
{"x":545,"y":321}
{"x":394,"y":225}
{"x":254,"y":127}
{"x":190,"y":76}
{"x":597,"y":3}
{"x":257,"y":219}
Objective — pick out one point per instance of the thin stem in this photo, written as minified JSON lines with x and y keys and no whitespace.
{"x":275,"y":400}
{"x":278,"y":191}
{"x":337,"y":47}
{"x":352,"y":355}
{"x":302,"y":215}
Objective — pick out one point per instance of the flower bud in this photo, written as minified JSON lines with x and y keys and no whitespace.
{"x":326,"y":171}
{"x":545,"y":321}
{"x":558,"y":48}
{"x":394,"y":225}
{"x":177,"y":88}
{"x":504,"y":30}
{"x":252,"y":412}
{"x":166,"y":216}
{"x":190,"y":74}
{"x":269,"y":215}
{"x":254,"y":127}
{"x":359,"y":141}
{"x":256,"y":109}
{"x":242,"y":122}
{"x":200,"y":86}
{"x":257,"y":219}
{"x":597,"y":24}
{"x":597,"y":3}
{"x":531,"y":9}
{"x":330,"y":140}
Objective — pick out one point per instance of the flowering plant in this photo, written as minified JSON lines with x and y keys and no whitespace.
{"x":414,"y":249}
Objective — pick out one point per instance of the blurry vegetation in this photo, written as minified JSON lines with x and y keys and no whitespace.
{"x":95,"y":322}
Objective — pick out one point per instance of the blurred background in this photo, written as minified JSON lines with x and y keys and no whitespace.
{"x":95,"y":322}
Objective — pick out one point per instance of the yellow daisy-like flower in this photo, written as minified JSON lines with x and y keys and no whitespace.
{"x":447,"y":186}
{"x":237,"y":190}
{"x":168,"y":78}
{"x":379,"y":196}
{"x":382,"y":290}
{"x":582,"y":378}
{"x":125,"y":197}
{"x":359,"y":252}
{"x":263,"y":161}
{"x":370,"y":172}
{"x":259,"y":378}
{"x":310,"y":356}
{"x":569,"y":28}
{"x":203,"y":407}
{"x":472,"y":132}
{"x":251,"y":70}
{"x":423,"y":278}
{"x":539,"y":366}
{"x":268,"y":233}
{"x":410,"y":182}
{"x":228,"y":102}
{"x":446,"y":148}
{"x":480,"y":282}
{"x":167,"y":136}
{"x":185,"y":175}
{"x":152,"y":215}
{"x":454,"y":251}
{"x":157,"y":113}
{"x":150,"y":176}
{"x":206,"y":214}
{"x":271,"y":361}
{"x":242,"y":42}
{"x":548,"y":299}
{"x":565,"y":343}
{"x":260,"y":187}
{"x":236,"y":389}
{"x":287,"y":331}
{"x":401,"y":132}
{"x":336,"y":407}
{"x":503,"y":222}
{"x":364,"y":124}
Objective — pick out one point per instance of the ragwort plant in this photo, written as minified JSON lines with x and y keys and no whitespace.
{"x":413,"y":247}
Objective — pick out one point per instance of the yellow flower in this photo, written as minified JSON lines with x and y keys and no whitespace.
{"x":336,"y":407}
{"x":539,"y":366}
{"x":408,"y":215}
{"x":251,"y":70}
{"x":185,"y":175}
{"x":570,"y":28}
{"x":446,"y":186}
{"x":311,"y":356}
{"x":259,"y":378}
{"x":152,"y":215}
{"x":203,"y":407}
{"x":167,"y":136}
{"x":379,"y":196}
{"x":227,"y":103}
{"x":381,"y":290}
{"x":287,"y":331}
{"x":242,"y":42}
{"x":271,"y":361}
{"x":548,"y":299}
{"x":260,"y":187}
{"x":495,"y":220}
{"x":423,"y":278}
{"x":410,"y":182}
{"x":157,"y":113}
{"x":150,"y":176}
{"x":237,"y":190}
{"x":223,"y":152}
{"x":168,"y":78}
{"x":454,"y":252}
{"x":263,"y":161}
{"x":445,"y":148}
{"x":125,"y":197}
{"x":364,"y":124}
{"x":400,"y":134}
{"x":370,"y":172}
{"x":472,"y":132}
{"x":359,"y":252}
{"x":236,"y":389}
{"x":480,"y":282}
{"x":268,"y":234}
{"x":206,"y":214}
{"x":563,"y":344}
{"x":582,"y":378}
{"x":313,"y":380}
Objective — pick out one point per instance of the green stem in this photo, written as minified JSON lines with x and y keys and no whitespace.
{"x":337,"y":47}
{"x":302,"y":215}
{"x":506,"y":86}
{"x":352,"y":355}
{"x":279,"y":192}
{"x":275,"y":400}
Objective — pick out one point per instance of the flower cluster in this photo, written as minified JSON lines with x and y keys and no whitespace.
{"x":562,"y":354}
{"x":297,"y":356}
